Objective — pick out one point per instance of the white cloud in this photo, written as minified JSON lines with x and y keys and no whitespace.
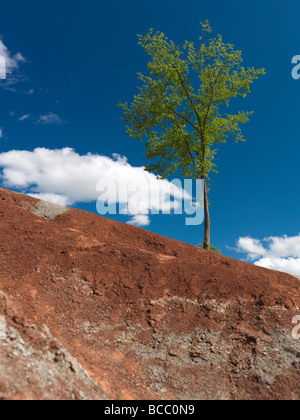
{"x":65,"y":177}
{"x":139,"y":220}
{"x":253,"y":247}
{"x":52,"y":198}
{"x":1,"y":133}
{"x":277,"y":253}
{"x":12,"y":62}
{"x":50,"y":118}
{"x":43,"y":119}
{"x":287,"y":265}
{"x":25,"y":117}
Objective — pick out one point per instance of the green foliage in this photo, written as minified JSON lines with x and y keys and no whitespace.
{"x":181,"y":104}
{"x":211,"y":248}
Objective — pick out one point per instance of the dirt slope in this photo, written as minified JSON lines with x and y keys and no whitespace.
{"x":98,"y":309}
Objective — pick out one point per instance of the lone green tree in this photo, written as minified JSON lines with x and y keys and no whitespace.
{"x":181,"y":104}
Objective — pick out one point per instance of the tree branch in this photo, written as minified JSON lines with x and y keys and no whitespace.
{"x":188,"y":147}
{"x":181,"y":116}
{"x":211,"y":96}
{"x":191,"y":101}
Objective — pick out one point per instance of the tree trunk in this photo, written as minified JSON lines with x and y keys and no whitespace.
{"x":206,"y":242}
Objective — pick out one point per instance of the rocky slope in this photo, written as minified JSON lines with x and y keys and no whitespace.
{"x":95,"y":309}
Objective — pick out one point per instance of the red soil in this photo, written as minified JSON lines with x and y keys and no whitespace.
{"x":99,"y":309}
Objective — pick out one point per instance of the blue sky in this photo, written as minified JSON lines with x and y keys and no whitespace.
{"x":79,"y":59}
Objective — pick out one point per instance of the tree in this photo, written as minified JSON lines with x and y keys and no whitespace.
{"x":180,"y":106}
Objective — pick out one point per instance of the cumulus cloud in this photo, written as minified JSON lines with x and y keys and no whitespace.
{"x":277,"y":253}
{"x":12,"y":62}
{"x":51,"y":198}
{"x":253,"y":247}
{"x":140,"y":220}
{"x":286,"y":265}
{"x":64,"y":177}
